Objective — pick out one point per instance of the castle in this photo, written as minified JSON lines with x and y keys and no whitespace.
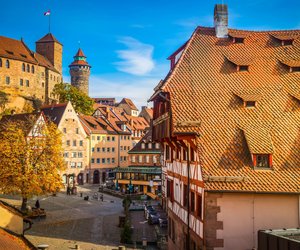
{"x":26,"y":76}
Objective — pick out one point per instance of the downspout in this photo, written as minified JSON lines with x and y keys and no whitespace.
{"x":299,"y":210}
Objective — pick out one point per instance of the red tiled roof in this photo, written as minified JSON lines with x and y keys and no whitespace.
{"x":129,"y":103}
{"x":80,"y":53}
{"x":202,"y":87}
{"x":43,"y":61}
{"x":15,"y":49}
{"x":48,"y":38}
{"x":54,"y":112}
{"x":9,"y":241}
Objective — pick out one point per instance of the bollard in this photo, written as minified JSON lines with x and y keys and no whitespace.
{"x":77,"y":247}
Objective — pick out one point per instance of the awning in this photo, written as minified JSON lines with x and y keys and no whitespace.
{"x":140,"y":170}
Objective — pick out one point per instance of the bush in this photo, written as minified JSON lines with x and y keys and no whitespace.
{"x":126,"y":233}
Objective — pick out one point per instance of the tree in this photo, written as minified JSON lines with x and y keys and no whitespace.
{"x":81,"y":102}
{"x":3,"y":99}
{"x":31,"y":157}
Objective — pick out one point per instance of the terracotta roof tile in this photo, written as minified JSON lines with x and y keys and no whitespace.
{"x":202,"y":87}
{"x":54,"y":112}
{"x":128,"y":102}
{"x":9,"y":241}
{"x":80,"y":53}
{"x":48,"y":38}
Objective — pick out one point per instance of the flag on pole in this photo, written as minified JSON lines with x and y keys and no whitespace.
{"x":47,"y":13}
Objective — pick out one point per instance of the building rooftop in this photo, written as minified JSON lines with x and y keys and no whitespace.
{"x":203,"y":87}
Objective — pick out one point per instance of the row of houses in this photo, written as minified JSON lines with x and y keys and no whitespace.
{"x":97,"y":146}
{"x":227,"y":115}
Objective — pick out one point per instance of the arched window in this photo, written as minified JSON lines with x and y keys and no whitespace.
{"x":0,"y":62}
{"x":7,"y":64}
{"x":32,"y":69}
{"x":23,"y":67}
{"x":28,"y":68}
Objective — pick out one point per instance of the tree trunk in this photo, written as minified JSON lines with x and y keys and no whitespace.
{"x":24,"y":204}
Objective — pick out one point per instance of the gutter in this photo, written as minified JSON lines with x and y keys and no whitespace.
{"x":252,"y":192}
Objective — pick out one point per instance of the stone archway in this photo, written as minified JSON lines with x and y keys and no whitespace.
{"x":96,"y":177}
{"x":80,"y":179}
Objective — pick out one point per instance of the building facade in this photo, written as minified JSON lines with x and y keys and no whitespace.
{"x":26,"y":75}
{"x":74,"y":141}
{"x":143,"y":174}
{"x":227,"y":115}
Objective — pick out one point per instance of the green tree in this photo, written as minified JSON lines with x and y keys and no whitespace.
{"x":31,"y":157}
{"x":3,"y":99}
{"x":81,"y":102}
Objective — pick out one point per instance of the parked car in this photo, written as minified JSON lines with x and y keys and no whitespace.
{"x":150,"y":211}
{"x":163,"y":222}
{"x":153,"y":218}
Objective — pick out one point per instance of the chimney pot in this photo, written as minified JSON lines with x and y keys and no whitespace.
{"x":221,"y":20}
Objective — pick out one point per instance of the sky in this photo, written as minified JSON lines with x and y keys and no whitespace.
{"x":127,"y":43}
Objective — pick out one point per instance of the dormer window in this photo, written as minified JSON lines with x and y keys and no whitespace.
{"x":262,"y":160}
{"x":249,"y":104}
{"x":283,"y":39}
{"x":242,"y":68}
{"x":293,"y":65}
{"x":238,"y":40}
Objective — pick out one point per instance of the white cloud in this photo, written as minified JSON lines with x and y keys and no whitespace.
{"x":119,"y":85}
{"x":137,"y":59}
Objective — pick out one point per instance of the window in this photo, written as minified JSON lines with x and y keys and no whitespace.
{"x":65,"y":130}
{"x":113,"y":149}
{"x":66,"y":154}
{"x":199,"y":206}
{"x":192,"y":206}
{"x":103,"y":160}
{"x":121,"y":159}
{"x":170,"y":190}
{"x":113,"y":138}
{"x":73,"y":164}
{"x":125,"y":158}
{"x":77,"y":130}
{"x":150,"y":145}
{"x":98,"y":138}
{"x":238,"y":39}
{"x":243,"y":68}
{"x":177,"y":153}
{"x":81,"y":143}
{"x":250,"y":104}
{"x":7,"y":80}
{"x":0,"y":62}
{"x":23,"y":67}
{"x":80,"y":155}
{"x":157,"y":145}
{"x":98,"y":149}
{"x":262,"y":161}
{"x":108,"y":150}
{"x":154,"y":159}
{"x":112,"y":160}
{"x":98,"y":160}
{"x":32,"y":69}
{"x":295,"y":69}
{"x":68,"y":142}
{"x":73,"y":154}
{"x":43,"y":84}
{"x":133,"y":158}
{"x":21,"y":82}
{"x":79,"y":164}
{"x":93,"y":149}
{"x":7,"y":64}
{"x":140,"y":158}
{"x":93,"y":160}
{"x":103,"y":150}
{"x":108,"y":138}
{"x":108,"y":160}
{"x":27,"y":83}
{"x":184,"y":155}
{"x":143,"y":145}
{"x":93,"y":138}
{"x":147,"y":159}
{"x":74,"y":143}
{"x":185,"y":195}
{"x":28,"y":68}
{"x":50,"y":77}
{"x":192,"y":152}
{"x":167,"y":152}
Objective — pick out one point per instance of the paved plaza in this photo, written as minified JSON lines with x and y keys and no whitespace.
{"x":72,"y":221}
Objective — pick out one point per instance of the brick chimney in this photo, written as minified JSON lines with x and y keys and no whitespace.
{"x":221,"y":20}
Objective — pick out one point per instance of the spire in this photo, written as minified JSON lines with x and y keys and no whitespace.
{"x":79,"y":59}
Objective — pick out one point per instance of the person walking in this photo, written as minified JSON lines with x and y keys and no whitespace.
{"x":37,"y":204}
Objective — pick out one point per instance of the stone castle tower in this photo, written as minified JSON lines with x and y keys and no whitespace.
{"x":80,"y":72}
{"x":51,"y":48}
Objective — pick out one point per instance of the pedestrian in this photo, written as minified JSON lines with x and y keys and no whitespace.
{"x":37,"y":204}
{"x":101,"y":197}
{"x":68,"y":190}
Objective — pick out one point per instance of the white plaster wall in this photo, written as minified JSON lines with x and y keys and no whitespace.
{"x":244,"y":214}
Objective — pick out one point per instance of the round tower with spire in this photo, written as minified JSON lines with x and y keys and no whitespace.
{"x":80,"y":72}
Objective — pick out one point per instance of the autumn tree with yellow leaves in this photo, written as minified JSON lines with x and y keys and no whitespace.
{"x":31,"y":157}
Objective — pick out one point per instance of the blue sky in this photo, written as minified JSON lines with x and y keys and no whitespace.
{"x":127,"y":42}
